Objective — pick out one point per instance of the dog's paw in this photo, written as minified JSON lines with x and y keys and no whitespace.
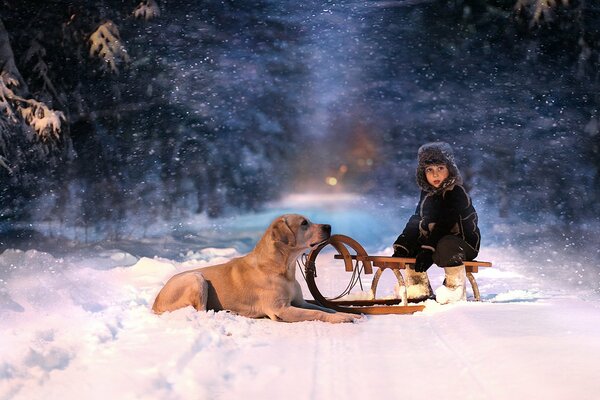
{"x":355,"y":316}
{"x":341,"y":317}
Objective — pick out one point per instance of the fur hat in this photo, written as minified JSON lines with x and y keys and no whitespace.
{"x":433,"y":154}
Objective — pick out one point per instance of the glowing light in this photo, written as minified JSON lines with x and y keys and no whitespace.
{"x":331,"y":181}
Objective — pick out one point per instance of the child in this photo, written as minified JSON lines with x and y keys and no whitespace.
{"x":443,"y":229}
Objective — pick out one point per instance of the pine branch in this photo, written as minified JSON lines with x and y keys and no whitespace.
{"x":7,"y":95}
{"x":105,"y":43}
{"x":147,"y":10}
{"x":539,"y":9}
{"x":4,"y":164}
{"x":36,"y":54}
{"x":45,"y":121}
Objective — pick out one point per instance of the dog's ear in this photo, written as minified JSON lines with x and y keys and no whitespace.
{"x":282,"y":233}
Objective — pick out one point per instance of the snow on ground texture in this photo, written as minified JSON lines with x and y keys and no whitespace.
{"x":82,"y":326}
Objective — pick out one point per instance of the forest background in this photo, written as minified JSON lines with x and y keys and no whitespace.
{"x":115,"y":114}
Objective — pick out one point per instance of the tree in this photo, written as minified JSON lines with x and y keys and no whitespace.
{"x":160,"y":115}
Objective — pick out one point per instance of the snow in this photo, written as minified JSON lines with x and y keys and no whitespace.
{"x":445,"y":295}
{"x":80,"y":324}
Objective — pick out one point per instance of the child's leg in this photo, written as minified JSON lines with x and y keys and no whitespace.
{"x":450,"y":254}
{"x":451,"y":251}
{"x":418,"y":287}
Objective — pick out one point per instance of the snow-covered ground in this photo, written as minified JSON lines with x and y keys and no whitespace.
{"x":79,"y":325}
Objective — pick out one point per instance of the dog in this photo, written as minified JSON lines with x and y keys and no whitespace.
{"x":258,"y":285}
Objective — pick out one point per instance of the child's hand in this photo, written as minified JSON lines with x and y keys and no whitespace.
{"x":424,"y":260}
{"x":400,"y":251}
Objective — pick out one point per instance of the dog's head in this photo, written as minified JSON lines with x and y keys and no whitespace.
{"x":298,"y":232}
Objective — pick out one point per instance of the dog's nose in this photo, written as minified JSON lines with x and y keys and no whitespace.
{"x":327,"y":229}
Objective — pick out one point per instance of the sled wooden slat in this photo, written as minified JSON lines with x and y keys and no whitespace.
{"x":363,"y":307}
{"x":383,"y":310}
{"x":400,"y":262}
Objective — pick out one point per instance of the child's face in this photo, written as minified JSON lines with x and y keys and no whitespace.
{"x":436,"y":174}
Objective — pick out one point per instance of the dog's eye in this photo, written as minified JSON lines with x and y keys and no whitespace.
{"x":304,"y":223}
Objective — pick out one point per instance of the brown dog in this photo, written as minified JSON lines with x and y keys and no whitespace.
{"x":259,"y":284}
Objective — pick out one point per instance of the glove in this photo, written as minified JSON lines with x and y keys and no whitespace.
{"x":424,"y":260}
{"x":400,"y":251}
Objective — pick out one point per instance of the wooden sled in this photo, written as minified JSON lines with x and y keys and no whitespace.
{"x":361,"y":262}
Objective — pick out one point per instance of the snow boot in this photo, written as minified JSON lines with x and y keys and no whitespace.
{"x":418,"y":287}
{"x":454,"y":287}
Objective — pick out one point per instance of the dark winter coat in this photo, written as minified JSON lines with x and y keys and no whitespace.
{"x":446,"y":210}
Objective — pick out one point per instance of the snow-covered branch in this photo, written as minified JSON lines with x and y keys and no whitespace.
{"x":147,"y":10}
{"x":45,"y":121}
{"x":105,"y":43}
{"x":539,"y":8}
{"x":7,"y":96}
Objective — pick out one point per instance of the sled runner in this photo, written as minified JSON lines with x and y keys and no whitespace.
{"x":360,"y":262}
